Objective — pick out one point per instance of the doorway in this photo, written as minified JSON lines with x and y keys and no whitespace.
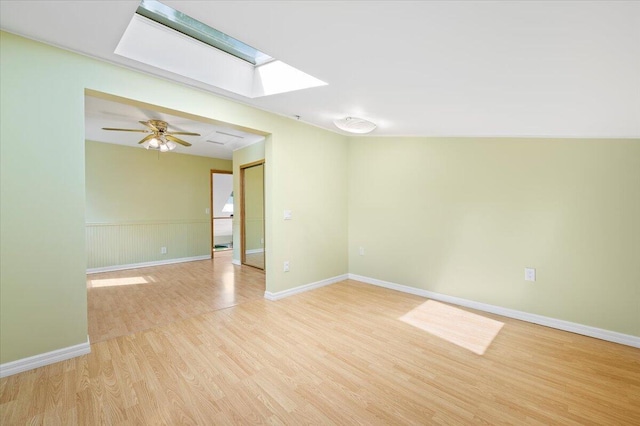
{"x":252,"y":214}
{"x":221,"y":211}
{"x":156,"y":208}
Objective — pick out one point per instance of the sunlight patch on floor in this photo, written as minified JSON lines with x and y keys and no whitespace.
{"x":470,"y":331}
{"x":111,"y":282}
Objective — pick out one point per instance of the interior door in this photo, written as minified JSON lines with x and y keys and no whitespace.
{"x":252,"y":220}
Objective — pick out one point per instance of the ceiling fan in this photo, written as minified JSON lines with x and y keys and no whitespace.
{"x":159,"y":138}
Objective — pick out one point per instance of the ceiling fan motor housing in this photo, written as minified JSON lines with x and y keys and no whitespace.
{"x":160,"y":125}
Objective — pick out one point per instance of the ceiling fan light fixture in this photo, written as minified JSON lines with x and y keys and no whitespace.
{"x":160,"y":138}
{"x":355,"y":125}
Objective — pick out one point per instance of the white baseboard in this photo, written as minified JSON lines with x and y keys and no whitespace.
{"x":260,"y":250}
{"x":147,"y":264}
{"x":286,"y":293}
{"x":585,"y":330}
{"x":236,"y":262}
{"x":18,"y":366}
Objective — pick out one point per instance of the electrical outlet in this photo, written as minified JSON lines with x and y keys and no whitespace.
{"x":163,"y":250}
{"x":286,"y":266}
{"x":206,"y":211}
{"x":529,"y":274}
{"x":287,"y":215}
{"x":361,"y":251}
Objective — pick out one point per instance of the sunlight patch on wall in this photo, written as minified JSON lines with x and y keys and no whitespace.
{"x":465,"y":329}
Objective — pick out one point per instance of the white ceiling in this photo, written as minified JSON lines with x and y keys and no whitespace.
{"x":101,"y":113}
{"x":538,"y":68}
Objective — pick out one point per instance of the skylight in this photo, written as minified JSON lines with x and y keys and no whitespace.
{"x":168,"y":39}
{"x":185,"y":24}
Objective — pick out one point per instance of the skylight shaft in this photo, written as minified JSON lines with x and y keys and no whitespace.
{"x":201,"y":53}
{"x":185,"y":24}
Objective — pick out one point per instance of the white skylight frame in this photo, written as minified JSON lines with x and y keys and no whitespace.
{"x":178,"y":21}
{"x":163,"y":47}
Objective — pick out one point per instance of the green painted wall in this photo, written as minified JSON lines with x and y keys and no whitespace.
{"x":131,"y":184}
{"x":43,"y":300}
{"x":464,"y":217}
{"x":42,"y":188}
{"x":310,"y":180}
{"x":138,"y":201}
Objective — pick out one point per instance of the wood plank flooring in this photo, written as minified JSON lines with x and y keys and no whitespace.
{"x":336,"y":355}
{"x":125,"y":302}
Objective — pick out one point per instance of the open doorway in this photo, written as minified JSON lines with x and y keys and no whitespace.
{"x":221,"y":212}
{"x":150,"y":213}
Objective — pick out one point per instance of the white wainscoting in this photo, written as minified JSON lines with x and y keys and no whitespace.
{"x":147,"y":264}
{"x":131,"y":243}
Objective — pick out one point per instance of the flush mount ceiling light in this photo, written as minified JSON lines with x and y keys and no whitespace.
{"x":355,"y":125}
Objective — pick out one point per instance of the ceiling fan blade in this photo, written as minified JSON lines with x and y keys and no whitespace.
{"x":176,"y":140}
{"x":183,"y":133}
{"x":126,"y":130}
{"x":149,"y":125}
{"x":147,"y":138}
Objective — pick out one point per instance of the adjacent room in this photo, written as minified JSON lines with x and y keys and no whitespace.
{"x":149,"y":207}
{"x":353,"y":212}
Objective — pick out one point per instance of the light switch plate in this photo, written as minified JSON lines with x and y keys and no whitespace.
{"x":287,"y":215}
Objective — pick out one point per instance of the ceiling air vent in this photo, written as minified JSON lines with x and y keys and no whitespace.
{"x":215,"y":142}
{"x":229,"y":134}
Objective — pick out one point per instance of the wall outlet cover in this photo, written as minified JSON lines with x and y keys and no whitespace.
{"x":529,"y":274}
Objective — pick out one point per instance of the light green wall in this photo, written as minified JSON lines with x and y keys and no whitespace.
{"x":131,"y":184}
{"x":310,"y":180}
{"x":464,"y":217}
{"x":140,"y":200}
{"x":42,"y":243}
{"x":43,"y":300}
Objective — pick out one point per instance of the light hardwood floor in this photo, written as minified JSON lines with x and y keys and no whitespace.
{"x":125,"y":302}
{"x":336,"y":355}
